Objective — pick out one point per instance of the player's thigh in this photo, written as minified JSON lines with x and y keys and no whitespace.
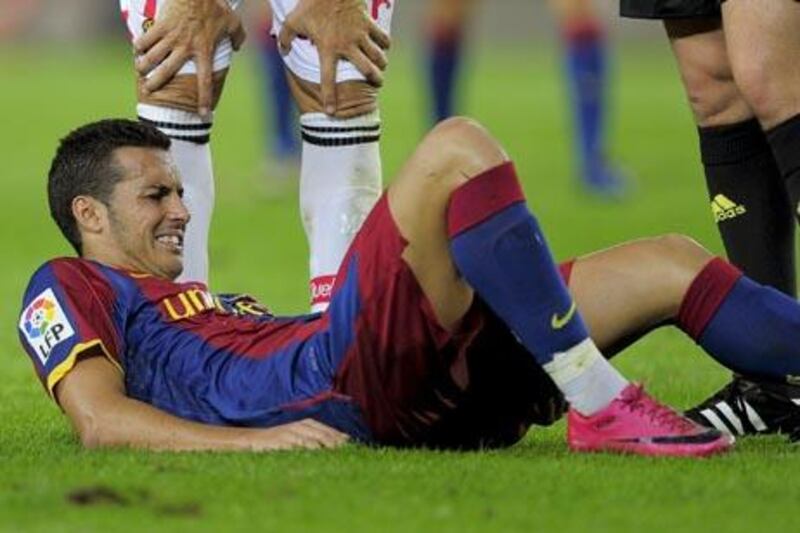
{"x":634,"y":286}
{"x":303,"y":59}
{"x":702,"y":55}
{"x":764,"y":46}
{"x":455,"y":151}
{"x":181,"y":91}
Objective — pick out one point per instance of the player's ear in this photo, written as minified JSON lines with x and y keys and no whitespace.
{"x":90,"y":214}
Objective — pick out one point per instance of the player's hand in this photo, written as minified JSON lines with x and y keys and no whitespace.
{"x":308,"y":434}
{"x":184,"y":30}
{"x":340,"y":29}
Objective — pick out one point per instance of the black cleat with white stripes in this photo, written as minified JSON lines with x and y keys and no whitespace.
{"x":746,"y":407}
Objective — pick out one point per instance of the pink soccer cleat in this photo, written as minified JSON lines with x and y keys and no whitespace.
{"x":636,"y":423}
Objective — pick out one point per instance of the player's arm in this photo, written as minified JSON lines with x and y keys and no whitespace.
{"x":93,"y":396}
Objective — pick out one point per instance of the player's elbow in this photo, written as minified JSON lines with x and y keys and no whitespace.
{"x":90,"y":440}
{"x":89,"y":434}
{"x":95,"y":431}
{"x":90,"y":431}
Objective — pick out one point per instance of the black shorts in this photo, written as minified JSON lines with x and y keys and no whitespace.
{"x":669,"y":9}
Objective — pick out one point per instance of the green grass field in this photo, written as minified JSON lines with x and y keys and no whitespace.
{"x":48,"y":483}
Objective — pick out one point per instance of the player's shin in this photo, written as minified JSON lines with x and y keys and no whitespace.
{"x":498,"y":247}
{"x":784,"y":139}
{"x":750,"y":203}
{"x":750,"y":328}
{"x":340,"y":181}
{"x":191,"y":153}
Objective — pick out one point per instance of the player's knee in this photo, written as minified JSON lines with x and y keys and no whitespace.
{"x":181,"y":92}
{"x":769,"y":94}
{"x":673,"y":261}
{"x":714,"y":96}
{"x":680,"y":251}
{"x":455,"y":150}
{"x":464,"y":148}
{"x":353,"y":98}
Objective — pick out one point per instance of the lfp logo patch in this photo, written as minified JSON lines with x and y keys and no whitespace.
{"x":45,"y":324}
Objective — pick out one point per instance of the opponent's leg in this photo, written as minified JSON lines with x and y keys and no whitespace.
{"x":340,"y":173}
{"x":446,"y":23}
{"x":172,"y":109}
{"x":340,"y":181}
{"x":764,"y":48}
{"x":463,"y":213}
{"x":585,"y":51}
{"x":748,"y":197}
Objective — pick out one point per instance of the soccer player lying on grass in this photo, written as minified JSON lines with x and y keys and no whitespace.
{"x":416,"y":348}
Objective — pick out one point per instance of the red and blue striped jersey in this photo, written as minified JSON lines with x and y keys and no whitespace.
{"x":219,"y":359}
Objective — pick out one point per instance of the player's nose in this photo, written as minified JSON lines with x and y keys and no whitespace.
{"x":178,"y":211}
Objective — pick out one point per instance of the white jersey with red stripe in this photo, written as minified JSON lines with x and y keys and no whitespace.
{"x":303,"y":60}
{"x":139,"y":15}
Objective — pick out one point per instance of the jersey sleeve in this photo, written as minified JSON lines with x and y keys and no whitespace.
{"x":67,"y":311}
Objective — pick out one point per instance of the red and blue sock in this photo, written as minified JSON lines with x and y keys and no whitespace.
{"x":750,"y":328}
{"x":499,"y":249}
{"x":444,"y":60}
{"x":586,"y":71}
{"x":281,"y":119}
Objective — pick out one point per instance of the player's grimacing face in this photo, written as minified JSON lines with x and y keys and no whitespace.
{"x":147,"y":217}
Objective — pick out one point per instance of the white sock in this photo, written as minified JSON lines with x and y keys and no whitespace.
{"x":340,"y":181}
{"x":586,"y":378}
{"x":191,"y":153}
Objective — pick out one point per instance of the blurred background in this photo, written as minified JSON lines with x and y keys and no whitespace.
{"x":88,"y":20}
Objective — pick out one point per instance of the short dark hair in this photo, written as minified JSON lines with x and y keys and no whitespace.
{"x":84,"y":165}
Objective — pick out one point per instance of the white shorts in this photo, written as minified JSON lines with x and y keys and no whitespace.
{"x":139,"y":15}
{"x":303,"y":60}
